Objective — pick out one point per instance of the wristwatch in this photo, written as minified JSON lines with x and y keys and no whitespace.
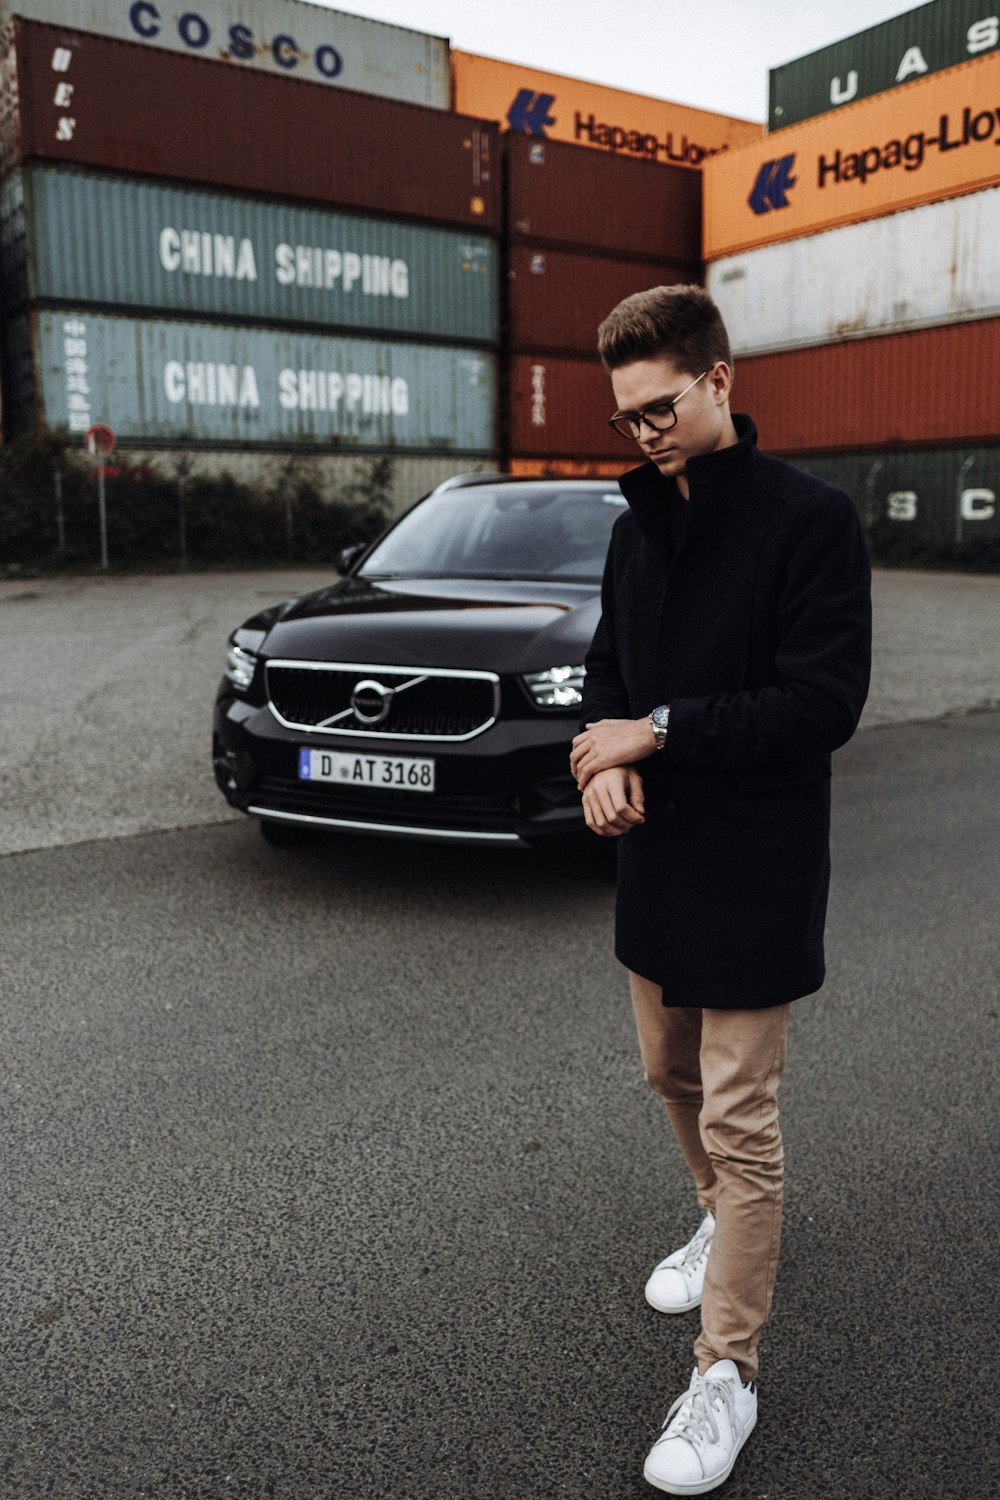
{"x":660,"y":720}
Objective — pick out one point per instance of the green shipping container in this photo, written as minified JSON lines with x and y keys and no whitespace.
{"x":928,"y":503}
{"x":159,"y":382}
{"x":83,"y":237}
{"x":895,"y":52}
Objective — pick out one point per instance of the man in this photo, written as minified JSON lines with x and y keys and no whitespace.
{"x":731,"y":658}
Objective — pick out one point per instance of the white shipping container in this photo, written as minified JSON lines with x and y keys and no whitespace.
{"x":291,"y":38}
{"x":936,"y":264}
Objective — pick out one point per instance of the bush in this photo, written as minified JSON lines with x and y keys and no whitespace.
{"x":225,"y":521}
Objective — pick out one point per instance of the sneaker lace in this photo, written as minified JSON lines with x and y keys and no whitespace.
{"x":695,"y":1249}
{"x":698,"y":1423}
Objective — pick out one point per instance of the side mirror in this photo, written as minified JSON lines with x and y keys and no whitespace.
{"x":348,"y":556}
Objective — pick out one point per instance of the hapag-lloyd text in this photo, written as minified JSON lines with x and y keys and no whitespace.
{"x":911,"y":152}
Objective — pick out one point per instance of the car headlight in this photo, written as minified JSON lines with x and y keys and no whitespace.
{"x":240,"y":666}
{"x":559,"y":687}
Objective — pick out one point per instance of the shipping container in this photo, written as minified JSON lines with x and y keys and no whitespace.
{"x":161,"y":382}
{"x":81,"y":237}
{"x":562,"y":195}
{"x":335,"y":476}
{"x":936,"y":264}
{"x":288,"y":38}
{"x":895,"y":52}
{"x":559,"y":408}
{"x":567,"y":468}
{"x":88,"y":101}
{"x":920,"y":501}
{"x":557,"y":298}
{"x":551,"y":106}
{"x":933,"y":387}
{"x":936,"y":139}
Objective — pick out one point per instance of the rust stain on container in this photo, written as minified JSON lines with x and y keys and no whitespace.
{"x":559,"y":408}
{"x":99,"y":102}
{"x":931,"y":387}
{"x":571,"y":196}
{"x":557,"y":298}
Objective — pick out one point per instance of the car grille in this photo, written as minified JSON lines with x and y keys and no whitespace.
{"x":419,"y":703}
{"x":372,"y":805}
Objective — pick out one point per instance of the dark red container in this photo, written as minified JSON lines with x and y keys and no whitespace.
{"x":96,"y":102}
{"x":931,"y":387}
{"x":559,"y":408}
{"x":577,"y":197}
{"x":556,"y":299}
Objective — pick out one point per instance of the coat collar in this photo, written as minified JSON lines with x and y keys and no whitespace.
{"x":713,"y":478}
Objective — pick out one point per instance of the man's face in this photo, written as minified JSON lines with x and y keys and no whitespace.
{"x":703,"y":420}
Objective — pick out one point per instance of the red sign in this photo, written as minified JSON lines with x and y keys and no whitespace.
{"x":100,"y":439}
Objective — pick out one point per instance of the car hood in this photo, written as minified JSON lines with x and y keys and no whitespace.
{"x":494,"y":625}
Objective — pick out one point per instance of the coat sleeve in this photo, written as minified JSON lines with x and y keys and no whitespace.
{"x":822,"y":659}
{"x":604,"y":692}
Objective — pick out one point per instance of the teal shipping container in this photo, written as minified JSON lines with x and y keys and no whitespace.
{"x":895,"y":52}
{"x":161,"y":382}
{"x":84,"y":237}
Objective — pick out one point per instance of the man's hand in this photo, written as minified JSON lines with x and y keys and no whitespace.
{"x":610,"y":742}
{"x":613,"y":801}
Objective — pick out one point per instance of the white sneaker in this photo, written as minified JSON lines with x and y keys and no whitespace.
{"x":704,"y":1432}
{"x":675,"y":1286}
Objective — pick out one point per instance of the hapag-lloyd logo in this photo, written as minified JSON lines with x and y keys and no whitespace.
{"x":911,"y":152}
{"x":775,"y":178}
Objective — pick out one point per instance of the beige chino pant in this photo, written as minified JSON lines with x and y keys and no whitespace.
{"x":717,"y":1072}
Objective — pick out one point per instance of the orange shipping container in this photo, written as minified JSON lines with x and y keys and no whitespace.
{"x":928,"y":388}
{"x":557,"y":108}
{"x":934,"y":139}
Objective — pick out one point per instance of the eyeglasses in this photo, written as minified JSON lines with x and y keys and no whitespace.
{"x":660,"y":417}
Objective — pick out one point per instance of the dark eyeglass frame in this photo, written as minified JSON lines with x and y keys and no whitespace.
{"x":628,"y":424}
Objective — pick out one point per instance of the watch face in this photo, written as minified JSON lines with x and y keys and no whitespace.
{"x":660,"y":717}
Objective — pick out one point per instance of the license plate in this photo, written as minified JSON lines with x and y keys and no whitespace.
{"x":403,"y":773}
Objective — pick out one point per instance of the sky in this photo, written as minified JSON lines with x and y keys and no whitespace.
{"x":714,"y":54}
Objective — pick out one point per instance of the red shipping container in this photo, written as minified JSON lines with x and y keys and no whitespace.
{"x":559,"y":408}
{"x":930,"y":387}
{"x":573,"y":196}
{"x":556,"y":299}
{"x":74,"y":97}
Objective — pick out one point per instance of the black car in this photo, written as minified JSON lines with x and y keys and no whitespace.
{"x":433,"y":691}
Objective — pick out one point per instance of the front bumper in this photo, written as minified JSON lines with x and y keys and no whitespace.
{"x":509,"y":786}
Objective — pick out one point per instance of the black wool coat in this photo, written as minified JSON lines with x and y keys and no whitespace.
{"x":757,"y":632}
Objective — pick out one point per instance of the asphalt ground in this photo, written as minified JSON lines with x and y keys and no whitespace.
{"x":329,"y":1171}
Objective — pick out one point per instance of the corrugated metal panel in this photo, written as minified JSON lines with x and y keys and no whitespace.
{"x":932,"y":387}
{"x":936,"y":139}
{"x":935,"y":264}
{"x":559,"y":408}
{"x":162,"y":382}
{"x":151,"y":113}
{"x":567,"y":468}
{"x":145,"y":244}
{"x":895,"y":52}
{"x":583,"y":199}
{"x":920,"y":497}
{"x":556,"y":299}
{"x":551,"y":106}
{"x":284,"y":37}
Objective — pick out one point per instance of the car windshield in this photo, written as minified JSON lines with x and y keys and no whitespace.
{"x":530,"y":531}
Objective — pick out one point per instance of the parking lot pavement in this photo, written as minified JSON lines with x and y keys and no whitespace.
{"x":107,"y":686}
{"x":329,"y":1172}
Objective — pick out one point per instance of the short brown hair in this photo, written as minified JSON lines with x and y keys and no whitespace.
{"x":681,"y":323}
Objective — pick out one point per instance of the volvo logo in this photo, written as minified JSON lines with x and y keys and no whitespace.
{"x":371,"y":701}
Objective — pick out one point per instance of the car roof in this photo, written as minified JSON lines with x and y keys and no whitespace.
{"x":466,"y":481}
